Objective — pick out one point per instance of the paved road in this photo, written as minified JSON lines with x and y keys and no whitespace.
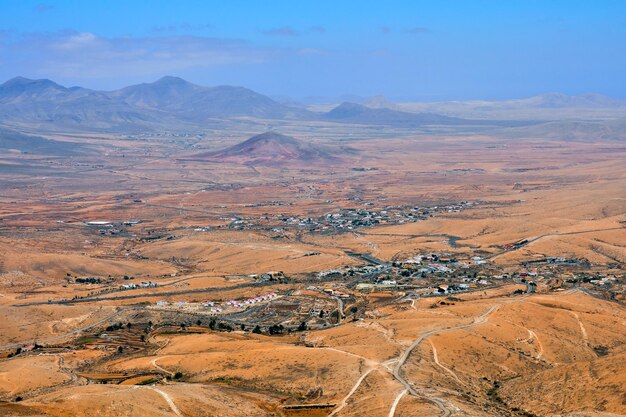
{"x":368,"y":258}
{"x":151,"y":294}
{"x":213,"y":213}
{"x":534,"y":239}
{"x":340,"y":313}
{"x":96,"y":298}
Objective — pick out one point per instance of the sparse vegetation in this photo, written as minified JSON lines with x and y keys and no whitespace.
{"x":380,"y":246}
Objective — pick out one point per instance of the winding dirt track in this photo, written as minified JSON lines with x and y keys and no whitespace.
{"x":396,"y":371}
{"x":583,"y":331}
{"x":154,"y":363}
{"x":396,"y":401}
{"x":442,"y":366}
{"x":533,"y":336}
{"x":344,"y":401}
{"x":169,"y":401}
{"x":166,"y":397}
{"x":445,"y":408}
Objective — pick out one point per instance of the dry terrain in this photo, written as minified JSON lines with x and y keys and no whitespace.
{"x":367,"y":271}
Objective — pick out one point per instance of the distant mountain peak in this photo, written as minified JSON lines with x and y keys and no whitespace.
{"x":172,"y":80}
{"x":348,"y":112}
{"x":199,"y":103}
{"x":18,"y":80}
{"x":23,"y":83}
{"x":26,"y":90}
{"x":272,"y":136}
{"x":347,"y":109}
{"x":350,"y":105}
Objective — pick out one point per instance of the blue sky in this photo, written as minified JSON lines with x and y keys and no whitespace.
{"x":424,"y":50}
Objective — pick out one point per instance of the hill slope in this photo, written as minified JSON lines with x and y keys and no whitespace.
{"x":12,"y":141}
{"x":271,"y":148}
{"x":356,"y":113}
{"x":571,"y":130}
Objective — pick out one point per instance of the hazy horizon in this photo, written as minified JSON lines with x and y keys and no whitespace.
{"x":422,"y":51}
{"x":346,"y":97}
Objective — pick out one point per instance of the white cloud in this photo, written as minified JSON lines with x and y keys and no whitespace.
{"x":85,"y":55}
{"x":77,"y":41}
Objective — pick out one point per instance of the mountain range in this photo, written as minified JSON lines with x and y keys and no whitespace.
{"x":171,"y":103}
{"x":168,"y":102}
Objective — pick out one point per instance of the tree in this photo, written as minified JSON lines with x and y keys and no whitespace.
{"x":354,"y":309}
{"x":276,"y":329}
{"x":302,"y":327}
{"x":225,"y":327}
{"x":256,"y":329}
{"x":199,"y":322}
{"x":129,"y":325}
{"x":178,"y":375}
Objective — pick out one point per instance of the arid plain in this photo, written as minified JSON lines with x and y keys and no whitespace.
{"x":324,"y":270}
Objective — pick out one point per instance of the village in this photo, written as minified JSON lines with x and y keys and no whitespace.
{"x":326,"y":298}
{"x":347,"y":219}
{"x":215,"y":307}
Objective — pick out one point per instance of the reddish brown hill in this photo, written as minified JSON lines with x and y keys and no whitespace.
{"x":271,"y":148}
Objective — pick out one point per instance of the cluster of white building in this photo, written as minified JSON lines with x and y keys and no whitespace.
{"x":604,"y":281}
{"x":431,"y":268}
{"x":132,"y":286}
{"x":250,"y":301}
{"x":214,"y":307}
